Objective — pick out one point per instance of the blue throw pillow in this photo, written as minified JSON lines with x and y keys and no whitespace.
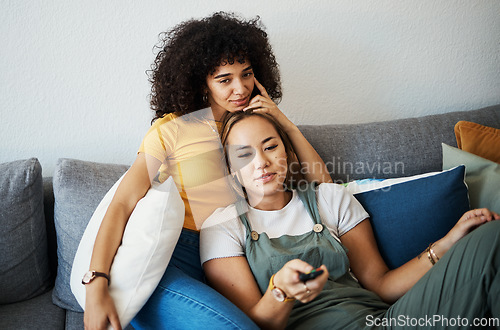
{"x":406,"y":217}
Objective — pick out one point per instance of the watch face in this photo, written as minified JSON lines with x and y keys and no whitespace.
{"x":278,"y":294}
{"x":89,"y":276}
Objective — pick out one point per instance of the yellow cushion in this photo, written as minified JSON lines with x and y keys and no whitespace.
{"x":478,"y":139}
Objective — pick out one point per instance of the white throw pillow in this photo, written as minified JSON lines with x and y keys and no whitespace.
{"x":363,"y":185}
{"x":149,"y":239}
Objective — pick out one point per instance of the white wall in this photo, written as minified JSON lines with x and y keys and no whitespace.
{"x":73,"y":83}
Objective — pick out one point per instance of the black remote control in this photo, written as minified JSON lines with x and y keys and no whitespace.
{"x":311,"y":275}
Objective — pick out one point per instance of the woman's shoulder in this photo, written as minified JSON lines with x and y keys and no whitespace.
{"x":170,"y":117}
{"x":331,"y":188}
{"x":223,"y":216}
{"x":334,"y":195}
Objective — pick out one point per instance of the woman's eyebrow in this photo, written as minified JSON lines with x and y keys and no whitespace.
{"x":222,"y":75}
{"x":267,"y":139}
{"x":249,"y":147}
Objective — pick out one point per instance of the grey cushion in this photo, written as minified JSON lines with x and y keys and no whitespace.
{"x":48,"y":208}
{"x":74,"y":320}
{"x":24,"y":270}
{"x":78,"y":186}
{"x":36,"y":313}
{"x":392,"y":148}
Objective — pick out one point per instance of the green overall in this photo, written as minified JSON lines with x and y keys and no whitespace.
{"x":343,"y":303}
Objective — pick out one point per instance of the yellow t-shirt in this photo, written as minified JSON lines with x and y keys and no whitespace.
{"x":190,"y":151}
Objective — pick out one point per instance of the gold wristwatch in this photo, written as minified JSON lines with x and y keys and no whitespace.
{"x":278,"y":294}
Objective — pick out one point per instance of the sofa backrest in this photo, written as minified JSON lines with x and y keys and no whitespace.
{"x":375,"y":150}
{"x":391,"y":149}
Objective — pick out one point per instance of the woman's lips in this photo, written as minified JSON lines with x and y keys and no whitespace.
{"x":266,"y":177}
{"x":240,"y":102}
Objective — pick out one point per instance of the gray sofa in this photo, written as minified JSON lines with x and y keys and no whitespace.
{"x":43,"y":219}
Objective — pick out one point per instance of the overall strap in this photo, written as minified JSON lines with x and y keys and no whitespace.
{"x":242,"y":208}
{"x":307,"y":194}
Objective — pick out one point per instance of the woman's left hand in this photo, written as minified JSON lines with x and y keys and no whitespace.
{"x":468,"y":222}
{"x":263,"y":103}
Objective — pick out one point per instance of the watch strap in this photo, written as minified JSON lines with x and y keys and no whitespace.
{"x":93,"y":274}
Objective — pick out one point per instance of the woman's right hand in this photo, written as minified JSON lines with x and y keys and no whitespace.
{"x":287,"y":279}
{"x":264,"y":104}
{"x":100,"y":310}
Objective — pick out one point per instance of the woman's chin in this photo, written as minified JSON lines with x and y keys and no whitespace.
{"x":269,"y":190}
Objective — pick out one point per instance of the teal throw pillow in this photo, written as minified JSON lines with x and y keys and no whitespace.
{"x":482,"y":176}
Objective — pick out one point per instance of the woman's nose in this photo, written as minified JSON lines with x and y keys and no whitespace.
{"x":238,"y":86}
{"x":261,"y":161}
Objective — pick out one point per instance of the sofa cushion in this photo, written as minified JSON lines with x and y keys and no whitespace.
{"x":481,"y":175}
{"x":79,"y":187}
{"x":407,"y":216}
{"x":478,"y":139}
{"x":35,"y":313}
{"x":24,"y":270}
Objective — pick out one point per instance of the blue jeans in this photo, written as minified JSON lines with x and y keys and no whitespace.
{"x":182,"y":300}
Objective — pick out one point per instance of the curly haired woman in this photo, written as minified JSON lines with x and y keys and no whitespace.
{"x":204,"y":69}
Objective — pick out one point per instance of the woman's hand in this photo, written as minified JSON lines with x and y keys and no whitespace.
{"x":287,"y":279}
{"x":263,"y":103}
{"x":100,"y":309}
{"x":468,"y":222}
{"x":306,"y":155}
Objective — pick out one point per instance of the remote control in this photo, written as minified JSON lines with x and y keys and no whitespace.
{"x":311,"y":275}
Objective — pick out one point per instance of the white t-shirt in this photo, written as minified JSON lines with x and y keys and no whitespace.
{"x":223,"y":234}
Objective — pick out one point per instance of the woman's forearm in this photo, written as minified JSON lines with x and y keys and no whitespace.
{"x":269,"y":313}
{"x":398,"y":281}
{"x":233,"y":278}
{"x":109,"y":238}
{"x":131,"y":189}
{"x":312,"y":166}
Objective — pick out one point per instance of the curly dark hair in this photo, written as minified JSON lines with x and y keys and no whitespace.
{"x":195,"y":48}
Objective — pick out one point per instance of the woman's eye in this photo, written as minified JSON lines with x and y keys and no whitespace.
{"x":223,"y":81}
{"x":271,"y":147}
{"x":248,"y":74}
{"x":245,"y":155}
